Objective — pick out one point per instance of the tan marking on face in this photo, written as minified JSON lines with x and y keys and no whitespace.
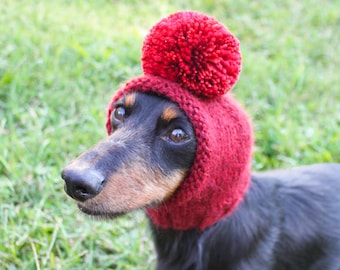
{"x":133,"y":187}
{"x":170,"y":113}
{"x":130,"y":100}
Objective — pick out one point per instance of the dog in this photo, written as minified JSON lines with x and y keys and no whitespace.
{"x":288,"y":220}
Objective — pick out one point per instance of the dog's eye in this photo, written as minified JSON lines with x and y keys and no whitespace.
{"x":119,"y":113}
{"x":178,"y":135}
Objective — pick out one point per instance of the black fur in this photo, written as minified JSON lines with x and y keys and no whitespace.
{"x":288,"y":220}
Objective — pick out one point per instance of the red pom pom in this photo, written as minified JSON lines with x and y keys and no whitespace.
{"x":195,"y":51}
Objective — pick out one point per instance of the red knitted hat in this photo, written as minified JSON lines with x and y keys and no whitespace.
{"x":193,"y":60}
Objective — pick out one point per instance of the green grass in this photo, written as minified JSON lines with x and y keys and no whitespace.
{"x":60,"y":63}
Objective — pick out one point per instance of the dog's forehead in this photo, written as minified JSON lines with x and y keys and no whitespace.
{"x":167,"y":109}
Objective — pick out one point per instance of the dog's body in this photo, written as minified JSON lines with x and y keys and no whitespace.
{"x":289,"y":219}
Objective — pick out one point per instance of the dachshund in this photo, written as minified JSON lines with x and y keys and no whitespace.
{"x":289,"y":219}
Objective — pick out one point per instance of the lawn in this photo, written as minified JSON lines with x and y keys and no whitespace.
{"x":60,"y":63}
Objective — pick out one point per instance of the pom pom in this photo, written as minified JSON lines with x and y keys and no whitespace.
{"x":195,"y":51}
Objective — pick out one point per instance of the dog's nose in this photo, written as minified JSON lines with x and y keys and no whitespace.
{"x":82,"y":185}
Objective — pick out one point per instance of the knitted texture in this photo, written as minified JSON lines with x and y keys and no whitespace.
{"x":193,"y":60}
{"x":195,"y":51}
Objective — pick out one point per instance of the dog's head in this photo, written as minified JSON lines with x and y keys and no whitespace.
{"x":178,"y":145}
{"x":148,"y":154}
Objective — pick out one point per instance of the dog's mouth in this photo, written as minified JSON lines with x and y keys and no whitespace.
{"x":100,"y":214}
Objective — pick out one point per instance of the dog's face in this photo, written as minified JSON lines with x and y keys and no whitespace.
{"x":142,"y":163}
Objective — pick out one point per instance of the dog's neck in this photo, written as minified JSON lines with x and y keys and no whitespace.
{"x":201,"y":208}
{"x":224,"y":238}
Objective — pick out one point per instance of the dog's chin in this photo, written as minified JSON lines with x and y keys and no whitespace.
{"x":100,"y":214}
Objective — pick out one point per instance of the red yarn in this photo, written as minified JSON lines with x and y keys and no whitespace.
{"x":195,"y":51}
{"x":192,"y":51}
